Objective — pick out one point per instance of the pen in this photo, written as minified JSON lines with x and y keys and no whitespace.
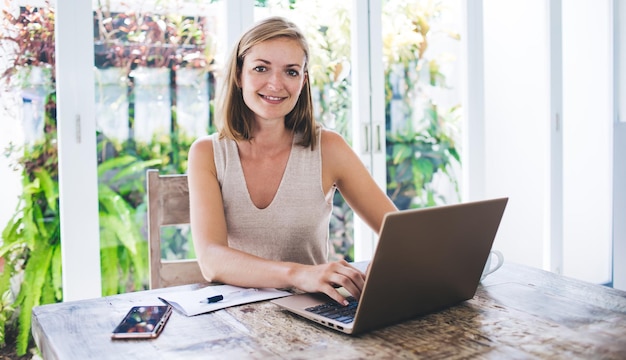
{"x":218,"y":298}
{"x":213,"y":299}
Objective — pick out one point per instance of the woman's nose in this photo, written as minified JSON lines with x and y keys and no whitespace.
{"x":274,"y":81}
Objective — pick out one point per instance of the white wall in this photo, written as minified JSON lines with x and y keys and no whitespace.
{"x":619,"y":151}
{"x":587,"y":139}
{"x":517,"y":123}
{"x":516,"y":111}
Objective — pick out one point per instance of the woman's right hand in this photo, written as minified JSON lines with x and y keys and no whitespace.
{"x":326,"y":278}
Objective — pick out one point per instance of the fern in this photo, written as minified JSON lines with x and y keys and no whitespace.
{"x":31,"y":250}
{"x":123,"y":246}
{"x":31,"y":291}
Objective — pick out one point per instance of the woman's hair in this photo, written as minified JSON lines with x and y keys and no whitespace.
{"x":234,"y":117}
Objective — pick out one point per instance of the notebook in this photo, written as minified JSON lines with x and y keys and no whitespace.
{"x":426,"y":260}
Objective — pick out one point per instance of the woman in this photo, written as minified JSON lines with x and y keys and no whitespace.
{"x":261,"y":189}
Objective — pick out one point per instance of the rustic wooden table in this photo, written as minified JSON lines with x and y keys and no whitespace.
{"x":518,"y":313}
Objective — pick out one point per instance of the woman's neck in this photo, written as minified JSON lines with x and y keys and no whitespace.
{"x":268,"y":140}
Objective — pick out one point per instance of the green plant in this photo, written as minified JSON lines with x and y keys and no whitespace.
{"x":30,"y":247}
{"x":31,"y":240}
{"x":135,"y":38}
{"x":421,"y":140}
{"x":123,"y":246}
{"x":413,"y":161}
{"x":29,"y":41}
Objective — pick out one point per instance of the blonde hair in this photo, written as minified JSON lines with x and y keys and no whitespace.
{"x":234,"y":117}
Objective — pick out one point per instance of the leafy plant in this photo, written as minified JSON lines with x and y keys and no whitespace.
{"x":415,"y":159}
{"x":421,"y":141}
{"x":31,"y":246}
{"x":134,"y":38}
{"x":31,"y":241}
{"x":29,"y":41}
{"x":123,"y":246}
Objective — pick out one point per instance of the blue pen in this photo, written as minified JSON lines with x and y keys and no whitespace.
{"x":234,"y":294}
{"x":213,"y":299}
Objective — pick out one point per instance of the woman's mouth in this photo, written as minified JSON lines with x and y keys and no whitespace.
{"x":272,"y":99}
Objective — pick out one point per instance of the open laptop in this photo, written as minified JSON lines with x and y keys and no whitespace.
{"x":426,"y":260}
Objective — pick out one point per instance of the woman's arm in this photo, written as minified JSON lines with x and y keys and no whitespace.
{"x":221,"y":263}
{"x":342,"y":167}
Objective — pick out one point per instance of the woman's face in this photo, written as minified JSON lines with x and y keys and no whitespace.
{"x":272,"y":77}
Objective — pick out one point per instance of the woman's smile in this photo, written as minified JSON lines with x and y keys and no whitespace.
{"x":273,"y":99}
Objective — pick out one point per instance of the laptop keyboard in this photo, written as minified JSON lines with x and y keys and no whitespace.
{"x":336,"y":311}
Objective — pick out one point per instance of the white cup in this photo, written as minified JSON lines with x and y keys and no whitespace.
{"x":491,"y":267}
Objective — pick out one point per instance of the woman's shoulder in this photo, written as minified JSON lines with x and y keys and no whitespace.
{"x":202,"y":143}
{"x":331,"y":139}
{"x":205,"y":146}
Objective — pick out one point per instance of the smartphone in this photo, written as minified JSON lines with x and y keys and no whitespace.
{"x":143,"y":322}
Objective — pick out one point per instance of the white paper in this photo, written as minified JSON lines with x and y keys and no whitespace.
{"x":191,"y":303}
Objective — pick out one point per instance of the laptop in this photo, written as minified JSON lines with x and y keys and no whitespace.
{"x":426,"y":260}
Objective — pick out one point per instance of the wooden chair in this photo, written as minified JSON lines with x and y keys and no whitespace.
{"x":168,"y":204}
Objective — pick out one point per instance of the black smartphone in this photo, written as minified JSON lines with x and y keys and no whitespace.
{"x":143,"y":322}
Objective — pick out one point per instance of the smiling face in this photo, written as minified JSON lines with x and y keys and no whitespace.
{"x":272,"y":77}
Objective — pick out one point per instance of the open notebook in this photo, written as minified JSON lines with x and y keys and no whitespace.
{"x":194,"y":302}
{"x":426,"y":260}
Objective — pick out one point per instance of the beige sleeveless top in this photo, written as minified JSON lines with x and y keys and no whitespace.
{"x":294,"y":227}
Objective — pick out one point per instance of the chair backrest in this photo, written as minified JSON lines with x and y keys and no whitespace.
{"x":168,"y":204}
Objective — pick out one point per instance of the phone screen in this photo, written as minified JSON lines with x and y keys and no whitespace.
{"x":143,"y":322}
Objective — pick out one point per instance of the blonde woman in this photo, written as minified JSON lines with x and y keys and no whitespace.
{"x":261,"y":188}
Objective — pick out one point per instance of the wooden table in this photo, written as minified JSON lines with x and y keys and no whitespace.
{"x":518,"y":313}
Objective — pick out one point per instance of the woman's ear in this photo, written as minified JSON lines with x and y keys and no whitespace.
{"x":306,"y":78}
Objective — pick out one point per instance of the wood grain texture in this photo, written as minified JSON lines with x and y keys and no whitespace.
{"x":168,"y":204}
{"x":517,"y":313}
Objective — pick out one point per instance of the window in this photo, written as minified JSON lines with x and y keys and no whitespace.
{"x":508,"y":118}
{"x":155,"y":83}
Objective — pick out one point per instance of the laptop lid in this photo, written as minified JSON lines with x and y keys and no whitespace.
{"x":426,"y":260}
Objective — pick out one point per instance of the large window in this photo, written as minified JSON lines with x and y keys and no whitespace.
{"x":155,"y":80}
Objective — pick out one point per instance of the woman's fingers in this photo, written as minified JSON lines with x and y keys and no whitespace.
{"x":327,"y":277}
{"x":344,"y":275}
{"x":335,"y":295}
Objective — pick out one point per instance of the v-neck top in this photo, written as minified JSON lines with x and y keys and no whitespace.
{"x":295,"y":225}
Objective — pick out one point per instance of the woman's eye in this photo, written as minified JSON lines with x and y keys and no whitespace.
{"x":293,"y":73}
{"x":260,"y":68}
